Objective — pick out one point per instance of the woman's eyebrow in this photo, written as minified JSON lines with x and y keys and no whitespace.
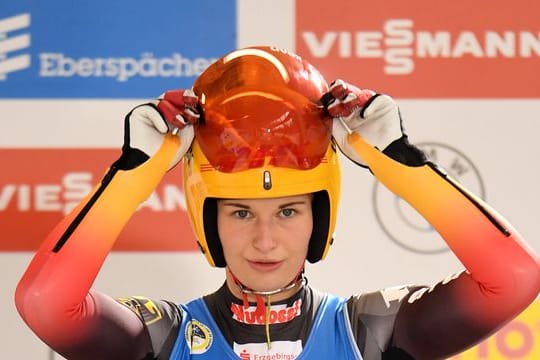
{"x":281,"y":206}
{"x":239,"y":205}
{"x":300,"y":202}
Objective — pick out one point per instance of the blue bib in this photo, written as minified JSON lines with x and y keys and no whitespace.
{"x":330,"y":337}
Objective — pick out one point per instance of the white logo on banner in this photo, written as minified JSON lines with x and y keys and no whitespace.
{"x":121,"y":68}
{"x":14,"y":43}
{"x":398,"y":43}
{"x":56,"y":64}
{"x":72,"y":188}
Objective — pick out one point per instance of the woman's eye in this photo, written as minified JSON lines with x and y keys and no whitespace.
{"x":241,"y":214}
{"x":288,"y":212}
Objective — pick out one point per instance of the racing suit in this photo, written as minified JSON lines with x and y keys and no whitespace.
{"x":501,"y":278}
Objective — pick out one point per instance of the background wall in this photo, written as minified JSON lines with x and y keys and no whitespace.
{"x":465,"y":77}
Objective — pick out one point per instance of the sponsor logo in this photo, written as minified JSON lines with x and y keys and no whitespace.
{"x":417,"y":49}
{"x":402,"y":224}
{"x":143,"y":306}
{"x":11,"y":44}
{"x":72,"y":188}
{"x":198,"y":337}
{"x":121,"y":69}
{"x":86,"y":52}
{"x":398,"y":44}
{"x":279,"y":350}
{"x":43,"y":185}
{"x":278,"y":313}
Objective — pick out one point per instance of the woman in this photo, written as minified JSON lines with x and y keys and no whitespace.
{"x":258,"y":135}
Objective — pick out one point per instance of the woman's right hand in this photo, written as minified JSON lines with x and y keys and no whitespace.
{"x":145,"y":126}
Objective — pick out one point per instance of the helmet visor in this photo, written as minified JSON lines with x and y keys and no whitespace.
{"x":250,"y":129}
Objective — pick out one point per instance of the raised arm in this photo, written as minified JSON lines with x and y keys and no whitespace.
{"x":54,"y":295}
{"x":502,"y":274}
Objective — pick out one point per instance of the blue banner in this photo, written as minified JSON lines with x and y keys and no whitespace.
{"x":109,"y":49}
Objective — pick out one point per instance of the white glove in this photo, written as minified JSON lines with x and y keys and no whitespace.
{"x":145,"y":126}
{"x":375,"y":117}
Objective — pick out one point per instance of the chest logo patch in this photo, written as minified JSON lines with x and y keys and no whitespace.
{"x":198,"y":337}
{"x":278,"y":314}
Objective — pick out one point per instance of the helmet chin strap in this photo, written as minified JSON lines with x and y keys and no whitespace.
{"x":263,"y":297}
{"x":299,"y":280}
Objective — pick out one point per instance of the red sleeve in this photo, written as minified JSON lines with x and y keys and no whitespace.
{"x":54,"y":297}
{"x":502,"y":274}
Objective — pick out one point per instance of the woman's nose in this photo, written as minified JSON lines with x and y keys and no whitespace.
{"x":264,"y":237}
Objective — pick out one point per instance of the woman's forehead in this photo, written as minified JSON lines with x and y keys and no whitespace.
{"x":270,"y":201}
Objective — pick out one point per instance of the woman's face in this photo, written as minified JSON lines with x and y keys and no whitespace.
{"x":265,"y":241}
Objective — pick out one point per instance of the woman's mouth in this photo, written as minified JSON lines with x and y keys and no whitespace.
{"x":264,"y":266}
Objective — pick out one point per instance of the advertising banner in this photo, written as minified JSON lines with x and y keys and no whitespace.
{"x":419,"y":49}
{"x":39,"y":190}
{"x":109,"y":49}
{"x":519,"y":339}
